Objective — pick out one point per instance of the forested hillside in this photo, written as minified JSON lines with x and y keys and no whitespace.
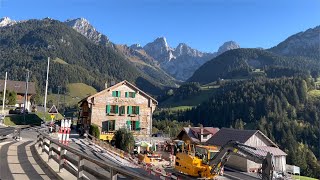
{"x":27,"y":45}
{"x":243,"y":63}
{"x":280,"y":108}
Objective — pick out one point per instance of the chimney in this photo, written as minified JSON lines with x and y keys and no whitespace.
{"x":106,"y":84}
{"x":201,"y":133}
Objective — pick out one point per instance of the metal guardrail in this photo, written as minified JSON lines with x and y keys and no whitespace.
{"x":51,"y":146}
{"x":6,"y":131}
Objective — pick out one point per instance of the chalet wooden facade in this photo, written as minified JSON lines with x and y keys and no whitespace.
{"x":20,"y":88}
{"x":122,"y":105}
{"x":254,"y":138}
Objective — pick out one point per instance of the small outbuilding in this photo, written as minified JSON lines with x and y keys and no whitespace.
{"x":196,"y":135}
{"x":254,"y":138}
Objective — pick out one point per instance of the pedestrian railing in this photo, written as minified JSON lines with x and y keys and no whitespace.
{"x":57,"y":151}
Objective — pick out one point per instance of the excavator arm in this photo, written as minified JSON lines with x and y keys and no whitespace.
{"x":247,"y":152}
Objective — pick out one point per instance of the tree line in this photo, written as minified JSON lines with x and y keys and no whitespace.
{"x":280,"y":108}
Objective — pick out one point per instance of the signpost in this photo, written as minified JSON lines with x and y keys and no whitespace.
{"x":53,"y":111}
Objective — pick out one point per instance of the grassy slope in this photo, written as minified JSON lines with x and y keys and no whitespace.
{"x":75,"y":92}
{"x":314,"y":94}
{"x":33,"y":119}
{"x":61,"y":61}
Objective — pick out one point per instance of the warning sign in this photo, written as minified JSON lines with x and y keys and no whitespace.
{"x":53,"y":110}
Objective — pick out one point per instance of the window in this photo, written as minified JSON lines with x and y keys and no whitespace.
{"x":122,"y":110}
{"x":112,"y":109}
{"x":116,"y":93}
{"x":130,"y":94}
{"x":109,"y":125}
{"x":133,"y":110}
{"x":133,"y":125}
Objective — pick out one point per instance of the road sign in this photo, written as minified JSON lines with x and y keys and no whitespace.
{"x":52,"y":116}
{"x":53,"y":110}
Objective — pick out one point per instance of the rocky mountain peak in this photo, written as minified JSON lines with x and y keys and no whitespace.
{"x":84,"y":27}
{"x":159,"y":50}
{"x":136,"y":46}
{"x":229,"y":45}
{"x":6,"y":21}
{"x":183,"y":49}
{"x":161,"y":42}
{"x":80,"y":24}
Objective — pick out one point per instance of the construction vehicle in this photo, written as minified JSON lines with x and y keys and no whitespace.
{"x":207,"y":161}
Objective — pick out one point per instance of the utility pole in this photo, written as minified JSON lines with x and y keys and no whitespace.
{"x":46,"y":91}
{"x":4,"y":96}
{"x":58,"y":96}
{"x":26,"y":98}
{"x":4,"y":93}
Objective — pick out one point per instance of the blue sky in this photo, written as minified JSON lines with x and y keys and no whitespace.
{"x":202,"y":24}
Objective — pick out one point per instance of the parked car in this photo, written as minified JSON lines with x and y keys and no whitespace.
{"x":17,"y":110}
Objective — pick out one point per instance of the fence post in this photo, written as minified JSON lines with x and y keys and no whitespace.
{"x":42,"y":144}
{"x":61,"y":159}
{"x":80,"y":167}
{"x":39,"y":140}
{"x":113,"y":174}
{"x":50,"y":151}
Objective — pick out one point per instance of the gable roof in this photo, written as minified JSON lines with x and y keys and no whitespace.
{"x":274,"y":150}
{"x":192,"y":132}
{"x":242,"y":136}
{"x":125,"y":82}
{"x":18,"y":86}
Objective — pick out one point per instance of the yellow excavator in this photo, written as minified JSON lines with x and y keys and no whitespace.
{"x":207,"y":161}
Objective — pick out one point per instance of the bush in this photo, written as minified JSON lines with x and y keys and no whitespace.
{"x":94,"y":130}
{"x":124,"y":140}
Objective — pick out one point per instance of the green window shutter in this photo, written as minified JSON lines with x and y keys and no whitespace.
{"x":117,"y":109}
{"x":129,"y":109}
{"x":119,"y":93}
{"x":108,"y":109}
{"x":137,"y":109}
{"x":128,"y":124}
{"x":123,"y":110}
{"x":108,"y":126}
{"x":137,"y":125}
{"x":126,"y":94}
{"x":114,"y":94}
{"x":134,"y":94}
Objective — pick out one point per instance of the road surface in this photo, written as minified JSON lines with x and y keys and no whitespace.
{"x":18,"y":160}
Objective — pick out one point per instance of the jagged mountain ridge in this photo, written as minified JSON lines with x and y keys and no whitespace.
{"x":157,"y":59}
{"x":138,"y":58}
{"x":179,"y":62}
{"x":85,"y":28}
{"x":27,"y":44}
{"x":306,"y":43}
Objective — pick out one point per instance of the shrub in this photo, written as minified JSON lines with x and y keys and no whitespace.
{"x":124,"y":140}
{"x":94,"y":130}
